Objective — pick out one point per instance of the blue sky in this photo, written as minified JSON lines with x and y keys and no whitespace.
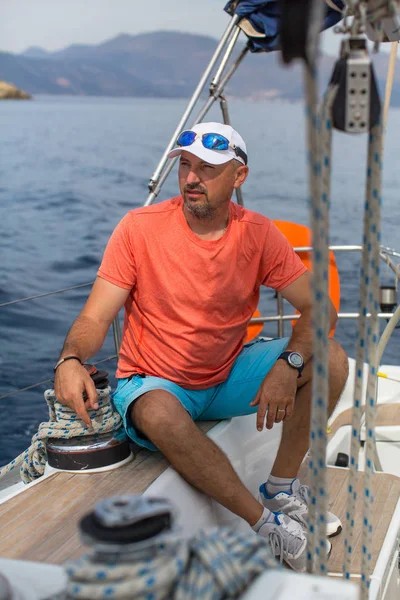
{"x":54,"y":24}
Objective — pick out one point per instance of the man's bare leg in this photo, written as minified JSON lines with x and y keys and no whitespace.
{"x":295,"y":432}
{"x":162,"y":418}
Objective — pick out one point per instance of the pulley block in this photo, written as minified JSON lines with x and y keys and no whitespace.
{"x":128,"y":524}
{"x":357,"y":106}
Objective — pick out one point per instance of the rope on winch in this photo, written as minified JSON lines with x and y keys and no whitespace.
{"x":63,"y":423}
{"x":218,"y":564}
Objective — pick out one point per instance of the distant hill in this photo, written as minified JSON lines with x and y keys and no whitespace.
{"x":159,"y":64}
{"x":36,"y":52}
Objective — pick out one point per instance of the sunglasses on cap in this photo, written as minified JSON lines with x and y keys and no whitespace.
{"x":211,"y":141}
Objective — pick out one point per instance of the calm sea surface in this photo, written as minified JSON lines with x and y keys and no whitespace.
{"x":70,"y":168}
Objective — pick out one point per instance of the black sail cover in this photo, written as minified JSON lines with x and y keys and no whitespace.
{"x":260,"y":20}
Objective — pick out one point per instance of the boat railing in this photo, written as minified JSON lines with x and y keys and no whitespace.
{"x":386,"y":255}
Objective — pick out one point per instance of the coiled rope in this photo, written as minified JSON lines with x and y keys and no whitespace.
{"x":218,"y":564}
{"x":63,"y":423}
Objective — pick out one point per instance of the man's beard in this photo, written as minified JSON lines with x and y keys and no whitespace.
{"x":199,"y":209}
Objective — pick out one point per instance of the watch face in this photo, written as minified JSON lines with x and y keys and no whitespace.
{"x":295,"y":359}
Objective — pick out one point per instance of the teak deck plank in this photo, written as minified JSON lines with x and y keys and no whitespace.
{"x":386,"y":493}
{"x":41,"y":523}
{"x":387,"y":414}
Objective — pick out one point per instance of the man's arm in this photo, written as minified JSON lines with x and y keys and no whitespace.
{"x":279,"y":387}
{"x":85,"y":339}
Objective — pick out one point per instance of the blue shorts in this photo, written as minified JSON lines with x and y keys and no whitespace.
{"x":231,"y":398}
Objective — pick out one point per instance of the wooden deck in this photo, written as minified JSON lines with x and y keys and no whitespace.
{"x":41,"y":523}
{"x":386,"y":493}
{"x":386,"y":414}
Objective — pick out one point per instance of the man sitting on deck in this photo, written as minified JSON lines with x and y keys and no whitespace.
{"x":189,"y":271}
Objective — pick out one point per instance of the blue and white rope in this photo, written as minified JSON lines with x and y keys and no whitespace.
{"x":319,"y":209}
{"x":369,"y":301}
{"x":63,"y":423}
{"x":217,"y":564}
{"x":373,"y":201}
{"x":361,"y":356}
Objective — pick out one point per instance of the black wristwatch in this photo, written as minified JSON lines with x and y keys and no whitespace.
{"x":294,"y":359}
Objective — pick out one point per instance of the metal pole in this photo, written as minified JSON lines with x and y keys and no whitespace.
{"x":224,"y":109}
{"x":224,"y":61}
{"x":333,"y":248}
{"x":233,"y":23}
{"x":117,"y":334}
{"x":216,"y":92}
{"x":215,"y":95}
{"x":156,"y":190}
{"x":274,"y":318}
{"x":281,"y":325}
{"x":225,"y":115}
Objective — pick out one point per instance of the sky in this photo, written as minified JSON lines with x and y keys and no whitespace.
{"x":55,"y":24}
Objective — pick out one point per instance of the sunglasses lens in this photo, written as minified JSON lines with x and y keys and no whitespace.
{"x":186,"y":138}
{"x":214,"y":141}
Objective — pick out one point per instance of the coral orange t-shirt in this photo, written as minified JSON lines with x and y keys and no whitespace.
{"x":191,"y":300}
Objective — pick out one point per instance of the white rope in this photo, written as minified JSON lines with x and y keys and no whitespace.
{"x":386,"y":335}
{"x":374,"y":175}
{"x":214,"y":565}
{"x":369,"y":297}
{"x":319,"y":209}
{"x":361,"y":346}
{"x":63,"y":423}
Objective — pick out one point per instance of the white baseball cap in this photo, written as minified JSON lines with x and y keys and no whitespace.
{"x":236,"y":149}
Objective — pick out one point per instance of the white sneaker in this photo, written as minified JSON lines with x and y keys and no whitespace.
{"x":294,"y":504}
{"x":287,"y":540}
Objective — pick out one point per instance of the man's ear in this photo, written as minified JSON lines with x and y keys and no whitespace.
{"x":241,"y":175}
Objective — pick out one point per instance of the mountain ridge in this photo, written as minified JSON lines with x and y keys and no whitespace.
{"x":157,"y":64}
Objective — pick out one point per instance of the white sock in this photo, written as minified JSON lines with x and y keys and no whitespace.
{"x":275,"y":485}
{"x":267,"y":516}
